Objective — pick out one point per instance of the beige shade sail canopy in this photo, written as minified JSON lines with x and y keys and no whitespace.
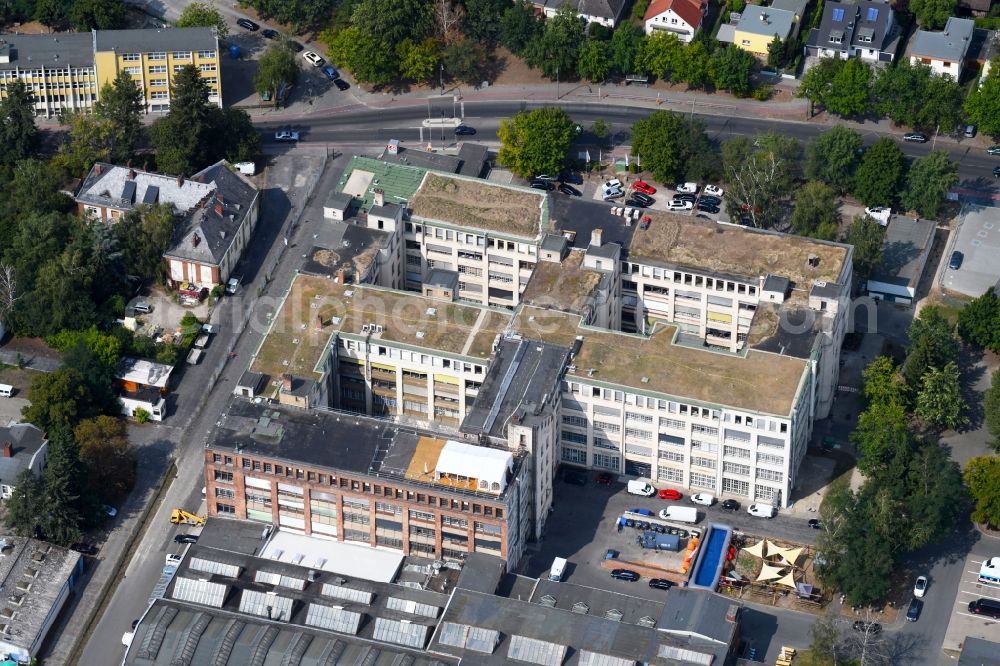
{"x":791,"y":555}
{"x":768,"y":572}
{"x":758,"y":549}
{"x":787,"y":581}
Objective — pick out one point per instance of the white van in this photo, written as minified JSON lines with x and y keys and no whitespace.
{"x":705,"y":499}
{"x":246,"y":168}
{"x":643,"y":488}
{"x":558,"y":569}
{"x":6,"y":390}
{"x":761,"y":510}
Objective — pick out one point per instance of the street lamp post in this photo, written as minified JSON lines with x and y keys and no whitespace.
{"x":441,"y":74}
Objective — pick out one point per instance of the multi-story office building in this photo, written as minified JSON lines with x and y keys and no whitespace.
{"x":691,"y":353}
{"x":367,"y":481}
{"x":65,"y":71}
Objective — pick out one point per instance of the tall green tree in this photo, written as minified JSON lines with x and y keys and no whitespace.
{"x":89,"y":141}
{"x":18,"y":133}
{"x":665,"y":142}
{"x":880,"y":175}
{"x":660,"y":54}
{"x":983,"y":103}
{"x":979,"y":321}
{"x":62,"y":479}
{"x":693,"y":67}
{"x":23,"y":506}
{"x":535,"y":142}
{"x":883,"y":430}
{"x":775,"y":53}
{"x":519,"y":26}
{"x":928,"y":181}
{"x":206,"y":15}
{"x":982,"y":477}
{"x":991,"y":409}
{"x":850,"y":91}
{"x":625,"y":44}
{"x":462,"y":60}
{"x":363,"y":54}
{"x":730,"y":69}
{"x":940,"y":402}
{"x":107,"y":456}
{"x":932,"y":346}
{"x":122,"y":105}
{"x":391,"y":23}
{"x":912,"y":95}
{"x":883,"y":383}
{"x":833,"y":157}
{"x":50,"y":13}
{"x":817,"y":81}
{"x":867,"y":237}
{"x":932,"y":14}
{"x":301,"y":14}
{"x":482,"y":19}
{"x":556,"y":52}
{"x":595,"y":61}
{"x":815,"y":211}
{"x":183,"y":138}
{"x":276,"y":67}
{"x":760,"y":171}
{"x":419,"y":61}
{"x":87,"y":15}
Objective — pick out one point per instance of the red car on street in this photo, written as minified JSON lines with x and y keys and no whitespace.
{"x":645,"y":188}
{"x":604,"y":479}
{"x":669,"y":494}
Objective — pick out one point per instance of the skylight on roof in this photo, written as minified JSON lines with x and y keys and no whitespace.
{"x":838,"y":14}
{"x":872,"y":14}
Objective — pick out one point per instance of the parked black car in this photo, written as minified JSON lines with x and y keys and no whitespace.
{"x":465,"y":130}
{"x":632,"y":201}
{"x":708,"y":198}
{"x":661,"y":583}
{"x":570,"y":190}
{"x":815,"y":524}
{"x":707,"y":207}
{"x":570,"y":177}
{"x":730,"y":505}
{"x":625,"y":574}
{"x":543,"y":185}
{"x":84,"y":548}
{"x":913,"y":612}
{"x":685,"y":196}
{"x":247,"y":24}
{"x":645,"y":198}
{"x":186,"y":538}
{"x":341,"y":84}
{"x":295,"y":47}
{"x":956,"y":260}
{"x":270,"y":34}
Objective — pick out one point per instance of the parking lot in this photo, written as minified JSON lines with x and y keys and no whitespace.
{"x":583,"y":526}
{"x":963,"y":623}
{"x":977,"y":236}
{"x":593,"y":189}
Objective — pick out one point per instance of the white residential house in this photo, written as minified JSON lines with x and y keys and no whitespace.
{"x":681,"y":17}
{"x":944,"y":52}
{"x":606,"y":12}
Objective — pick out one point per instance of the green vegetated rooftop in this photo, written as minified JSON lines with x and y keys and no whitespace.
{"x":471,"y":202}
{"x":397,"y":181}
{"x":316,"y":308}
{"x":681,"y":240}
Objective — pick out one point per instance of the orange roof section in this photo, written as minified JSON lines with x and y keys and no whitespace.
{"x":689,"y":10}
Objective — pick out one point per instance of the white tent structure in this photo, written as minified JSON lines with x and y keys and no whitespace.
{"x":758,"y":549}
{"x":489,"y":467}
{"x":768,"y":572}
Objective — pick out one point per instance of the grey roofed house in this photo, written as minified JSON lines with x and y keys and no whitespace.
{"x":949,"y":45}
{"x":855,"y":29}
{"x":470,"y":160}
{"x":163,"y":39}
{"x":976,"y":7}
{"x":210,"y":229}
{"x":766,"y":21}
{"x":905,"y":251}
{"x":25,"y":440}
{"x":979,"y":652}
{"x":65,"y":49}
{"x":609,"y":10}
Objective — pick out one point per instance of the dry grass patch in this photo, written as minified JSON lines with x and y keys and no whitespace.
{"x":480,"y":205}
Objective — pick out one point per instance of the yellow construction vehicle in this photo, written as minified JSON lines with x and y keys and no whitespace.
{"x":178,"y":516}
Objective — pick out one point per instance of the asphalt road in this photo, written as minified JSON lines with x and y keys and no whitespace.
{"x":373,"y":126}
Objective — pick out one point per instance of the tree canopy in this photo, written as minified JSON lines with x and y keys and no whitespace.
{"x":979,"y":321}
{"x":932,"y":14}
{"x":833,"y":157}
{"x":928,"y":180}
{"x":867,"y":237}
{"x":18,"y":133}
{"x":275,"y":68}
{"x":880,"y":175}
{"x":535,"y":142}
{"x":983,"y":103}
{"x":665,"y":142}
{"x":760,"y":171}
{"x":203,"y":14}
{"x":982,"y":477}
{"x":815,"y":211}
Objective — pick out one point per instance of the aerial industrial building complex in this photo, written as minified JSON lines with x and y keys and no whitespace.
{"x":441,"y":319}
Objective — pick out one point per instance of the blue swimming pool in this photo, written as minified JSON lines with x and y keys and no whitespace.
{"x":711,"y":557}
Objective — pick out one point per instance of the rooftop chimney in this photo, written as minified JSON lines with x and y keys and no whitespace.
{"x":379,"y":197}
{"x":8,"y":450}
{"x":180,"y":180}
{"x":595,"y":238}
{"x":341,"y":276}
{"x":286,"y":382}
{"x":97,"y":169}
{"x":319,"y":322}
{"x":195,"y":240}
{"x":129,"y":164}
{"x":218,"y":209}
{"x":131,"y":174}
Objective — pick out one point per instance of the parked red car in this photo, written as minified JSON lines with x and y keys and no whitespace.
{"x":645,"y":188}
{"x":669,"y":494}
{"x":604,"y":479}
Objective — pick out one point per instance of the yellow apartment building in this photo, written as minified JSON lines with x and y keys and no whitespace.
{"x":65,"y":71}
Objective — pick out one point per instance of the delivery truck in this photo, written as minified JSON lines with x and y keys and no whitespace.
{"x":558,"y":569}
{"x":683,"y":514}
{"x":644,"y":488}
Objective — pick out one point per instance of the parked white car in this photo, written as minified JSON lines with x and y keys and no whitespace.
{"x":313,"y":58}
{"x":920,"y":587}
{"x":613,"y":193}
{"x":714,"y":190}
{"x":677,"y":205}
{"x":705,"y":499}
{"x":761,"y":510}
{"x":614,"y":183}
{"x":688,"y":188}
{"x":880,"y":214}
